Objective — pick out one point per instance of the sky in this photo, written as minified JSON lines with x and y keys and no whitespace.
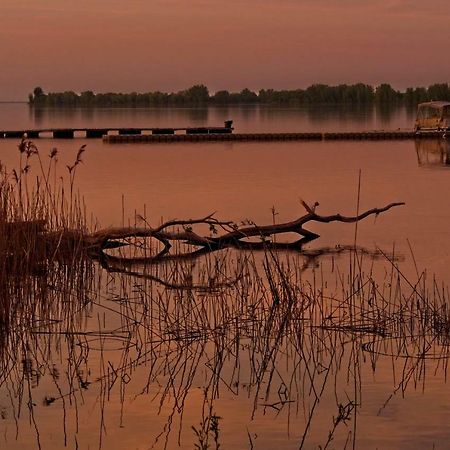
{"x":169,"y":45}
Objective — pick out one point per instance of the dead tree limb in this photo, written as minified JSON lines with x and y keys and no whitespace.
{"x":232,"y":235}
{"x":178,"y":239}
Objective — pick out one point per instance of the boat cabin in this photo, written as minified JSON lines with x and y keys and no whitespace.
{"x":433,"y":116}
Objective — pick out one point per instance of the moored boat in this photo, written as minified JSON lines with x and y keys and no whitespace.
{"x":433,"y":116}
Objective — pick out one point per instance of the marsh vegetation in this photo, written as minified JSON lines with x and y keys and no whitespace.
{"x":110,"y":337}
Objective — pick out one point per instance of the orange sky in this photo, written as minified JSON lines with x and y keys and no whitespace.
{"x":141,"y":45}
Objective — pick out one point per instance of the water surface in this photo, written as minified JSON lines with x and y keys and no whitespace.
{"x":239,"y":181}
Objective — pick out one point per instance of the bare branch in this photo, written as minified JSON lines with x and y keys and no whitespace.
{"x":232,"y":235}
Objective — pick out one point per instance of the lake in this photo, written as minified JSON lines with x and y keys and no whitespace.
{"x":136,"y":364}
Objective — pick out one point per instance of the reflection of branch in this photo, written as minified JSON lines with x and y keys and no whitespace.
{"x":128,"y":266}
{"x":297,"y":246}
{"x":189,"y":285}
{"x":65,"y":241}
{"x":234,"y":235}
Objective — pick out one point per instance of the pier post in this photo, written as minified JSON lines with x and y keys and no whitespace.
{"x":14,"y":134}
{"x":123,"y":131}
{"x":163,"y":131}
{"x":92,"y":133}
{"x":220,"y":130}
{"x":63,"y":134}
{"x":201,"y":130}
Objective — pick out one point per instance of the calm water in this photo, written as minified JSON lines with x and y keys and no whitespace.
{"x":244,"y":181}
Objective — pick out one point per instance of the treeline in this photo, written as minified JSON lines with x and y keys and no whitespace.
{"x":199,"y":95}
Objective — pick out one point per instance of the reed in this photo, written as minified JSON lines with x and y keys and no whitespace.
{"x":284,"y":329}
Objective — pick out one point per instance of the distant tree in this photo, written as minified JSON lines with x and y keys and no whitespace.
{"x":197,"y":94}
{"x":413,"y":96}
{"x":87,"y":98}
{"x":363,"y":93}
{"x":358,"y":93}
{"x":384,"y":93}
{"x":439,"y":91}
{"x":221,"y":97}
{"x":38,"y":92}
{"x":37,"y":96}
{"x":248,"y":96}
{"x":317,"y":93}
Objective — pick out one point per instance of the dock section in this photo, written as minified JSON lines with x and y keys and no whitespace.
{"x":98,"y":133}
{"x":112,"y":139}
{"x":267,"y":137}
{"x":114,"y":135}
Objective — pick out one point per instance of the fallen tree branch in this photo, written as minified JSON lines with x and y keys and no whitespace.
{"x":177,"y":238}
{"x":233,"y":235}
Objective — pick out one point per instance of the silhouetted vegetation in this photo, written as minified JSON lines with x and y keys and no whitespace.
{"x":260,"y":323}
{"x":199,"y":95}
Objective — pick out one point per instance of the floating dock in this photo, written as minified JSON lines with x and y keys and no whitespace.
{"x":114,"y":135}
{"x":267,"y":137}
{"x":92,"y":133}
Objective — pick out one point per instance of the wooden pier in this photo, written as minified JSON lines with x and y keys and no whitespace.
{"x":98,"y":133}
{"x":205,"y":134}
{"x":267,"y":137}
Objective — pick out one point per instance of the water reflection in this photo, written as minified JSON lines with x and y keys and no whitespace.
{"x":433,"y":152}
{"x":319,"y":347}
{"x":97,"y":117}
{"x":361,"y":113}
{"x":248,"y":118}
{"x":280,"y":354}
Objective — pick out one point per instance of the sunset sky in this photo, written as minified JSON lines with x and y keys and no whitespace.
{"x":142,"y":45}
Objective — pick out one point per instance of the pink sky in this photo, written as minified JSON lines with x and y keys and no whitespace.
{"x":142,"y":45}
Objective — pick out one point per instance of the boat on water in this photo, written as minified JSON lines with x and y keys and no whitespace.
{"x":433,"y":116}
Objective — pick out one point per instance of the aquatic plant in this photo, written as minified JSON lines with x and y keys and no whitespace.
{"x":285,"y":327}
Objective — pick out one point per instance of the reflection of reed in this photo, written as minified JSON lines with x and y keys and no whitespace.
{"x":272,"y":319}
{"x":274,"y":335}
{"x":264,"y":326}
{"x":263,"y":321}
{"x":44,"y":290}
{"x":35,"y":279}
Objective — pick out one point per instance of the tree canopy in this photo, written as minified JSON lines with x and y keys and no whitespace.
{"x":199,"y":95}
